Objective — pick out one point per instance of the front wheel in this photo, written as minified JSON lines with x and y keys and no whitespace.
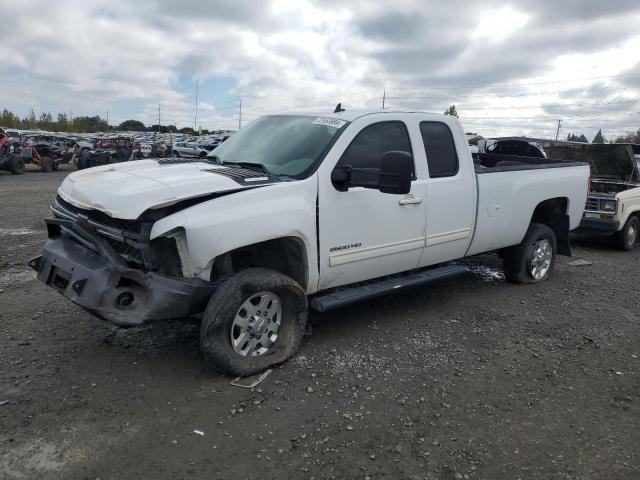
{"x":627,"y":238}
{"x":531,"y":261}
{"x":254,"y":320}
{"x":16,"y":165}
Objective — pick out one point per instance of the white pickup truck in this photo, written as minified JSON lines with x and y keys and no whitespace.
{"x":296,"y":211}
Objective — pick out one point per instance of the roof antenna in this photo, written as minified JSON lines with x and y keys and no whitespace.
{"x":339,"y":108}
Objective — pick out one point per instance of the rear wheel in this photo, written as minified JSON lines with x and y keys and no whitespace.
{"x":47,"y":164}
{"x":176,"y":154}
{"x":82,"y":163}
{"x":531,"y":261}
{"x":627,"y":238}
{"x":256,"y":319}
{"x":16,"y":165}
{"x":202,"y":154}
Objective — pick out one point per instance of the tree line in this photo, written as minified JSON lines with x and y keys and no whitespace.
{"x":64,"y":123}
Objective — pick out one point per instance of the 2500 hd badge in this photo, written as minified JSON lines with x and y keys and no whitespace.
{"x":345,"y":247}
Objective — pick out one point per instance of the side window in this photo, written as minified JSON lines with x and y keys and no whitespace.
{"x":440,"y":149}
{"x":369,"y":146}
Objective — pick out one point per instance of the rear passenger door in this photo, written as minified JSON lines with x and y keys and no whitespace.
{"x":451,"y":192}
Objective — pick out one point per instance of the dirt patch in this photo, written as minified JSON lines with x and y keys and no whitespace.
{"x":469,"y":378}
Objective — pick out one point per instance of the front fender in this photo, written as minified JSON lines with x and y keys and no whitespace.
{"x":223,"y":224}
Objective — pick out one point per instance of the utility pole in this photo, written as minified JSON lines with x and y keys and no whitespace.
{"x":158,"y":118}
{"x":558,"y":130}
{"x":195,"y":121}
{"x":240,"y":115}
{"x":107,"y":119}
{"x":384,"y":97}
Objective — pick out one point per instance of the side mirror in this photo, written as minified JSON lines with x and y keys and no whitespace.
{"x":340,"y":177}
{"x":395,"y":174}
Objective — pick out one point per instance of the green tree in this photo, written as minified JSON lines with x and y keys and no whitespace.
{"x":451,"y":111}
{"x":62,"y":124}
{"x":30,"y":120}
{"x":132,"y":126}
{"x":9,"y":119}
{"x":599,"y":138}
{"x":577,"y":138}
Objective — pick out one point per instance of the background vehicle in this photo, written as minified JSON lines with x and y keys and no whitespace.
{"x":189,"y":149}
{"x":613,"y":204}
{"x":301,"y":210}
{"x":10,"y":154}
{"x":47,"y":151}
{"x":107,"y":151}
{"x":209,"y":144}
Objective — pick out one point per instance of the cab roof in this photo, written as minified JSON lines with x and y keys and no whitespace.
{"x":351,"y":115}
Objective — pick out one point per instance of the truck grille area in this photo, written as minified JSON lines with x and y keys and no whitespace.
{"x":592,"y":204}
{"x":96,"y":217}
{"x":113,"y":230}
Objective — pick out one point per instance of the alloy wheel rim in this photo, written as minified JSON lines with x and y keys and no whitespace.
{"x":540,"y":263}
{"x":631,"y":235}
{"x":256,"y":324}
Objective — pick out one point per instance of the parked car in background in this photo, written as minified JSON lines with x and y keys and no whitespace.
{"x":210,"y":144}
{"x":10,"y":153}
{"x":47,"y":151}
{"x":613,"y":204}
{"x":107,"y":151}
{"x":189,"y":149}
{"x":297,"y":211}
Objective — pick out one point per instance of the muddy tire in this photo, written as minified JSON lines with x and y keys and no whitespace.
{"x":256,"y":319}
{"x":47,"y":164}
{"x":531,"y":261}
{"x":627,"y":238}
{"x":16,"y":165}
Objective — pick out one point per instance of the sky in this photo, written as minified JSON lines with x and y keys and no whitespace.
{"x":511,"y":67}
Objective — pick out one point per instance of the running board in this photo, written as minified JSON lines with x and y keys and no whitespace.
{"x":330,"y":301}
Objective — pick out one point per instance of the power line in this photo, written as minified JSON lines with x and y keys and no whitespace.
{"x":550,"y":82}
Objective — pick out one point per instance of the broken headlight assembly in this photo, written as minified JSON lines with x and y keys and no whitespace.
{"x":172,"y":254}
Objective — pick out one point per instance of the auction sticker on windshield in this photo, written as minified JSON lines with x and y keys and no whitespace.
{"x":329,"y":122}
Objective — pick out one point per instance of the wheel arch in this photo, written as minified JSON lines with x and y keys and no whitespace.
{"x":286,"y":255}
{"x":629,"y":212}
{"x":553,"y":213}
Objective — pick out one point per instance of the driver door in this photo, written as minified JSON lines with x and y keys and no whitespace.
{"x":364,"y":233}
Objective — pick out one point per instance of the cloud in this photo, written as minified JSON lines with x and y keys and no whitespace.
{"x":494,"y":59}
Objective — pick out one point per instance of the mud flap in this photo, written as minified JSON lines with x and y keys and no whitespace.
{"x":560,"y":224}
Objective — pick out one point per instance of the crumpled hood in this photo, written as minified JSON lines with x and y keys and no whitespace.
{"x":126,"y":190}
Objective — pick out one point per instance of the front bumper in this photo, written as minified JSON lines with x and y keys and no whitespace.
{"x":590,"y":227}
{"x":89,"y":272}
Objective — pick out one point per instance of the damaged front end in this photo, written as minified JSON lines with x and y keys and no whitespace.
{"x":112,"y":268}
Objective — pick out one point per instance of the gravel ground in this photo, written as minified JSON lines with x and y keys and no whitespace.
{"x":468,"y":378}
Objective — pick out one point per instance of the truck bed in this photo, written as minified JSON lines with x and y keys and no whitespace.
{"x":492,"y":162}
{"x":507,"y":197}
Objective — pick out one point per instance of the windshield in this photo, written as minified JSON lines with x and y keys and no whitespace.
{"x":282,"y":144}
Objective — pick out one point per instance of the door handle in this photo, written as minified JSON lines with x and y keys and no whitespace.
{"x":410,"y":200}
